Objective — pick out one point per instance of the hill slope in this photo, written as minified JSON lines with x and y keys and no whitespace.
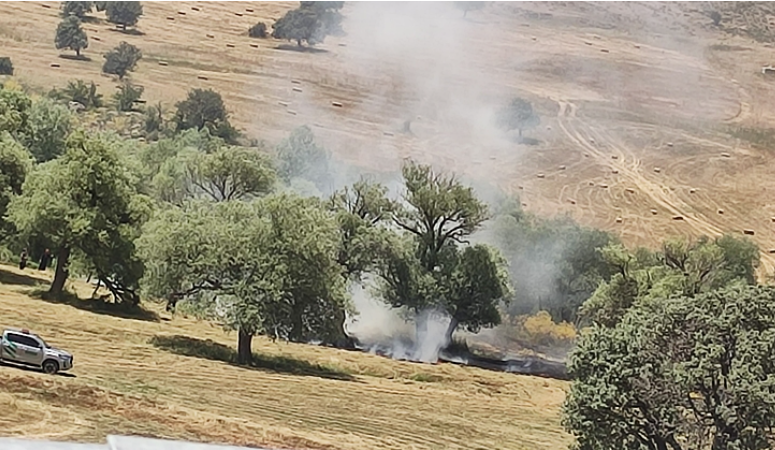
{"x":171,"y":378}
{"x":651,"y":112}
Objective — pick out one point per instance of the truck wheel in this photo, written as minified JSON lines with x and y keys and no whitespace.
{"x":50,"y":366}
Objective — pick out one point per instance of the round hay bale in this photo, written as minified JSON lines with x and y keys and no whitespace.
{"x":618,"y":220}
{"x":678,"y":217}
{"x":721,"y":211}
{"x":657,"y":170}
{"x":653,"y":212}
{"x":562,"y":167}
{"x":540,"y":175}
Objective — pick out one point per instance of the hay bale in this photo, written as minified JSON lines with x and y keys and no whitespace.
{"x":283,"y":103}
{"x":230,"y":45}
{"x":549,"y":128}
{"x":615,"y":171}
{"x":182,"y":13}
{"x":748,"y":232}
{"x":604,"y":186}
{"x":592,"y":140}
{"x":618,"y":220}
{"x":521,"y":188}
{"x":571,"y":201}
{"x":678,"y":217}
{"x":540,"y":175}
{"x":163,"y":63}
{"x":250,"y":10}
{"x":54,"y":65}
{"x":630,"y":190}
{"x":170,"y":18}
{"x":726,"y":155}
{"x":46,"y":6}
{"x":254,"y":45}
{"x":587,"y":42}
{"x":342,"y":44}
{"x":637,"y":45}
{"x":238,"y":14}
{"x":295,"y":82}
{"x":388,"y":133}
{"x":291,"y":112}
{"x":653,"y":212}
{"x":604,"y":50}
{"x":692,"y":190}
{"x":202,"y":77}
{"x":772,"y":219}
{"x":534,"y":38}
{"x":562,"y":167}
{"x":721,"y":211}
{"x":297,"y":89}
{"x":669,"y":144}
{"x":591,"y":183}
{"x":657,"y":170}
{"x":614,"y":157}
{"x":96,"y":39}
{"x":211,"y":36}
{"x":337,"y":104}
{"x":195,"y":8}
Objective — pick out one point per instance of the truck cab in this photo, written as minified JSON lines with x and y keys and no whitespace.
{"x":19,"y":346}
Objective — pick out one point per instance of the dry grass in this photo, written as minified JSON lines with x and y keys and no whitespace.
{"x":173,"y":377}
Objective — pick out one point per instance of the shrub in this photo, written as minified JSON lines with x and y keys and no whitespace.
{"x":79,"y":91}
{"x":258,"y":30}
{"x":6,"y":66}
{"x":121,"y":60}
{"x":127,"y":95}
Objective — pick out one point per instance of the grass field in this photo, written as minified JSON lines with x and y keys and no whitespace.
{"x":161,"y":376}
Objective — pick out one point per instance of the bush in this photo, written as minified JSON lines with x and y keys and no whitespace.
{"x":121,"y":60}
{"x":540,"y":331}
{"x":127,"y":95}
{"x":204,"y":108}
{"x":123,"y":13}
{"x":6,"y":66}
{"x":258,"y":30}
{"x":79,"y":91}
{"x":715,"y":16}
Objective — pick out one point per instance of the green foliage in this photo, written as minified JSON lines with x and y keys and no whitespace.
{"x":100,"y":6}
{"x":127,"y":95}
{"x":685,"y":373}
{"x":300,"y":157}
{"x":229,"y":173}
{"x":154,"y":119}
{"x":300,"y":25}
{"x":14,"y":112}
{"x":680,"y":268}
{"x":6,"y":66}
{"x":85,"y":203}
{"x":15,"y":164}
{"x":469,"y":6}
{"x":71,"y":35}
{"x":121,"y":60}
{"x":267,"y":266}
{"x":77,"y":9}
{"x":49,"y":126}
{"x":204,"y":108}
{"x":123,"y":13}
{"x":258,"y":30}
{"x":517,"y":115}
{"x":79,"y":91}
{"x":328,"y":13}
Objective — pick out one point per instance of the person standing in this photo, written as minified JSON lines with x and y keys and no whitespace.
{"x":44,"y":260}
{"x":23,"y":260}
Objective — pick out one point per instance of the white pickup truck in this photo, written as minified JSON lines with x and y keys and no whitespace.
{"x":28,"y":349}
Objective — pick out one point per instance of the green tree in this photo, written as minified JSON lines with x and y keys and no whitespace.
{"x":517,"y":115}
{"x":469,"y":6}
{"x":230,"y":173}
{"x":121,"y":60}
{"x":266,"y":266}
{"x":6,"y":66}
{"x":84,"y":204}
{"x":127,"y":95}
{"x":15,"y":164}
{"x":300,"y":25}
{"x":300,"y":156}
{"x":14,"y":112}
{"x":328,"y":13}
{"x":685,"y":373}
{"x":204,"y":108}
{"x":49,"y":126}
{"x":79,"y":91}
{"x":258,"y":30}
{"x":77,"y":9}
{"x":123,"y":13}
{"x":71,"y":35}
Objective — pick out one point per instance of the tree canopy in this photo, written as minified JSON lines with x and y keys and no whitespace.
{"x":679,"y":373}
{"x":125,"y":14}
{"x":77,"y":9}
{"x":517,"y":115}
{"x":469,"y":6}
{"x":204,"y":108}
{"x":49,"y":124}
{"x":71,"y":35}
{"x":15,"y":164}
{"x":121,"y":59}
{"x":300,"y":25}
{"x":6,"y":66}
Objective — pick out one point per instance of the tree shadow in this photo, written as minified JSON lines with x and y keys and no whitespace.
{"x":8,"y":277}
{"x":525,"y":140}
{"x":129,"y":31}
{"x":76,"y":57}
{"x":303,"y":49}
{"x":98,"y":306}
{"x":208,"y":349}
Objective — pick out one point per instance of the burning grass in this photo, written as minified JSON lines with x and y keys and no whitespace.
{"x":176,"y":378}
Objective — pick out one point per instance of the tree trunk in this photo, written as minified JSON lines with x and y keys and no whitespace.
{"x":297,"y":325}
{"x":298,"y":42}
{"x":60,"y":276}
{"x":453,"y":323}
{"x":520,"y":132}
{"x":77,"y":52}
{"x":123,"y":26}
{"x":244,"y":347}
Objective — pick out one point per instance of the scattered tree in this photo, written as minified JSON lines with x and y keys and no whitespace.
{"x":15,"y":164}
{"x":518,"y":115}
{"x":300,"y":157}
{"x":469,"y":6}
{"x":300,"y":25}
{"x":77,"y":9}
{"x":715,"y":16}
{"x":85,"y":205}
{"x":6,"y":66}
{"x":680,"y":373}
{"x":127,"y":95}
{"x":258,"y":30}
{"x":123,"y":13}
{"x":80,"y":92}
{"x":121,"y":60}
{"x":71,"y":35}
{"x":328,"y":13}
{"x":204,"y":108}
